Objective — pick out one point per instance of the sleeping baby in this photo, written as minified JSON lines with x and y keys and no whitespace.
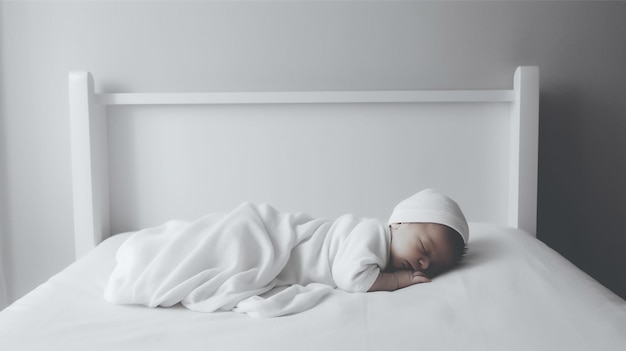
{"x":258,"y":260}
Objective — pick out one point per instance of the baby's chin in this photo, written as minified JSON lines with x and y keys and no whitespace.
{"x":402,"y":266}
{"x":394,"y":266}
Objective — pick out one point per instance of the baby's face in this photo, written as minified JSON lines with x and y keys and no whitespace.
{"x":424,"y":247}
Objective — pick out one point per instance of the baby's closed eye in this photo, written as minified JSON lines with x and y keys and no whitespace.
{"x":424,"y":250}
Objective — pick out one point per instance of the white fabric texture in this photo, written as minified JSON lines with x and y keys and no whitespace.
{"x":511,"y":293}
{"x":431,"y":206}
{"x":234,"y":260}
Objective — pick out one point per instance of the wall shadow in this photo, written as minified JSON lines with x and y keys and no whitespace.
{"x":4,"y":201}
{"x":582,"y":201}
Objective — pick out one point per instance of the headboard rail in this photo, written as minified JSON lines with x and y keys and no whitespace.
{"x":90,"y":162}
{"x":304,"y":97}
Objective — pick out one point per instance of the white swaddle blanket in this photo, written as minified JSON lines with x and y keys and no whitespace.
{"x":253,"y":259}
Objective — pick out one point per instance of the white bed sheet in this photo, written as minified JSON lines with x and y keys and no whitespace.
{"x":511,"y":293}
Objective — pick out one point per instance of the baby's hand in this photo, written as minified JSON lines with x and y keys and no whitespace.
{"x":407,"y":278}
{"x":398,"y":280}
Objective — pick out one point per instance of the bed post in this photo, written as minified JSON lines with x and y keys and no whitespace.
{"x":524,"y":140}
{"x":89,"y":163}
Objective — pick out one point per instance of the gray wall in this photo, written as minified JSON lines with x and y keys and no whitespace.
{"x":214,"y":46}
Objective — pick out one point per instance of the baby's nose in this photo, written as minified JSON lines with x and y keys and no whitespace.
{"x":424,"y":263}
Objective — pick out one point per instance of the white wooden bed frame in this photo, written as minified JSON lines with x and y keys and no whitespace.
{"x":89,"y":112}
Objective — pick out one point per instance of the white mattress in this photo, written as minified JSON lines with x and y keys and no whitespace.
{"x":511,"y":293}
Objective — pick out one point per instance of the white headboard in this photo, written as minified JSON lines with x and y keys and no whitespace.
{"x":141,"y":159}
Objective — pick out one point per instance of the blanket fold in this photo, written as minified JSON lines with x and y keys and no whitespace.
{"x":234,"y":261}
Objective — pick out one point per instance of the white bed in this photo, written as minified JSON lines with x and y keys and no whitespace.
{"x":142,"y":159}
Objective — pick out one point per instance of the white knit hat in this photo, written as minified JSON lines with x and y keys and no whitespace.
{"x":431,"y":206}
